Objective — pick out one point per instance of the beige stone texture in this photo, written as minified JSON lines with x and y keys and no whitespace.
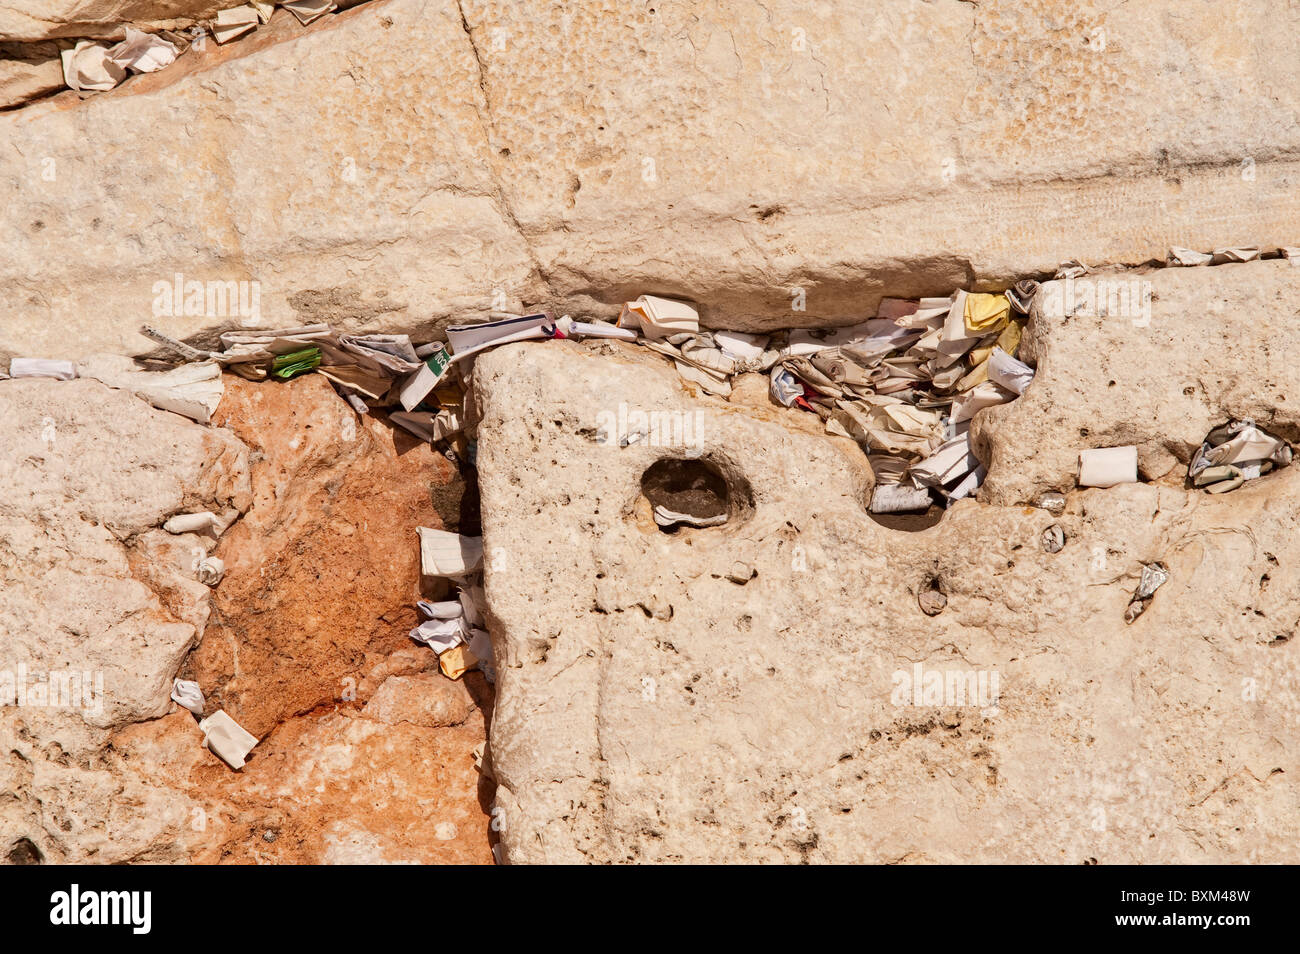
{"x":86,"y":475}
{"x":1210,"y":344}
{"x":365,"y":752}
{"x":29,"y":20}
{"x":651,"y":709}
{"x":28,"y":72}
{"x":753,"y":157}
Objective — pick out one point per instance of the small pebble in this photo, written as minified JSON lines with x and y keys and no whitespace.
{"x":1053,"y":503}
{"x":741,"y":573}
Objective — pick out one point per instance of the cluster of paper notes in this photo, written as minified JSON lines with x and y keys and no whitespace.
{"x":455,"y":629}
{"x":91,"y":66}
{"x":904,"y":385}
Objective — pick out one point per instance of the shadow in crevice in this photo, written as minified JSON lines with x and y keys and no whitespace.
{"x":910,"y":522}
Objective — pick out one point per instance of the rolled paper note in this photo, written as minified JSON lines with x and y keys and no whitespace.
{"x":205,"y":522}
{"x":211,"y":570}
{"x":189,"y":695}
{"x":448,"y":609}
{"x":899,"y":498}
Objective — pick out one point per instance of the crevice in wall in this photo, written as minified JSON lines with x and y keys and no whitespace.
{"x":32,"y":71}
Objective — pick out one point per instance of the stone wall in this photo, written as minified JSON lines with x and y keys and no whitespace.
{"x":752,"y":157}
{"x":365,"y":751}
{"x":659,"y":703}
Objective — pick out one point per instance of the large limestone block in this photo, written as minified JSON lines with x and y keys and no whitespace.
{"x":1155,"y":359}
{"x":340,"y":175}
{"x":651,"y":708}
{"x":786,"y":165}
{"x":88,"y":470}
{"x":740,"y":153}
{"x":93,"y":638}
{"x":80,"y":449}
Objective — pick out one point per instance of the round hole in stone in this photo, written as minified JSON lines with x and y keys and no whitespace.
{"x":686,"y":493}
{"x":24,"y":852}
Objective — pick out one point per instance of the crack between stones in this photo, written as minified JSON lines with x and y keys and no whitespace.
{"x":501,"y":198}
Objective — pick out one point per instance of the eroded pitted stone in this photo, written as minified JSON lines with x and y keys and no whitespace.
{"x":651,"y":710}
{"x":1173,"y":353}
{"x":87,"y":473}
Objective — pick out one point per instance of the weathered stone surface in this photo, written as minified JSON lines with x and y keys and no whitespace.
{"x":41,"y":19}
{"x":398,"y":212}
{"x":426,"y":698}
{"x":86,"y":474}
{"x":712,"y":695}
{"x":311,"y":617}
{"x":861,"y":148}
{"x":1215,"y":343}
{"x":323,"y":572}
{"x":330,"y":787}
{"x":583,"y":154}
{"x":650,"y":709}
{"x":37,"y":72}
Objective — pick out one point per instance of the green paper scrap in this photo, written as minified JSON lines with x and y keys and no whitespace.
{"x":438,"y":362}
{"x":285,"y":366}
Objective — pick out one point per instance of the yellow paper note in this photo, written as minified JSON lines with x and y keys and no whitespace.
{"x":455,"y":662}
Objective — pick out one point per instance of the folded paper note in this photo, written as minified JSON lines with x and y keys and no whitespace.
{"x":448,"y":554}
{"x":456,"y":661}
{"x":1008,"y":372}
{"x":462,"y":338}
{"x":440,"y":635}
{"x":951,"y":461}
{"x":142,"y":52}
{"x":392,"y":352}
{"x":234,"y":23}
{"x":227,"y":739}
{"x":193,"y":390}
{"x":352,"y":378}
{"x":1108,"y":466}
{"x":1222,"y":255}
{"x":88,"y":66}
{"x":659,"y":317}
{"x":188,"y":694}
{"x":1187,"y":256}
{"x":426,"y":425}
{"x":308,"y":10}
{"x":417,"y":387}
{"x":42,"y":368}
